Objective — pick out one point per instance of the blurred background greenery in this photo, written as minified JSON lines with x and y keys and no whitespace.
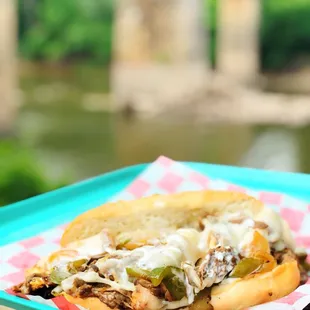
{"x":68,"y":31}
{"x":21,"y":176}
{"x":65,"y":52}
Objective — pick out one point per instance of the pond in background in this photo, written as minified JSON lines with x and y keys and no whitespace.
{"x":58,"y":120}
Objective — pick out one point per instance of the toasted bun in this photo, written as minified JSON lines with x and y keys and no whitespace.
{"x":146,"y":218}
{"x":170,"y":212}
{"x":241,"y":294}
{"x":258,"y":289}
{"x":88,"y":303}
{"x":160,"y":212}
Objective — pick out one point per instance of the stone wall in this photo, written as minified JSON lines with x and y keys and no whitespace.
{"x":158,"y":31}
{"x":159,"y":53}
{"x":238,"y":39}
{"x":296,"y":82}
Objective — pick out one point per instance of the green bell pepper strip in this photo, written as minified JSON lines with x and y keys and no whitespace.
{"x":246,"y":266}
{"x":172,"y":282}
{"x":155,"y":276}
{"x":57,"y":275}
{"x":75,"y":265}
{"x":175,"y":287}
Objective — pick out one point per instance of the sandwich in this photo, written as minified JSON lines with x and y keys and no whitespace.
{"x":193,"y":250}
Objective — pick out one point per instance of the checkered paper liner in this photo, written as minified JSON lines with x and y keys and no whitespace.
{"x":164,"y":176}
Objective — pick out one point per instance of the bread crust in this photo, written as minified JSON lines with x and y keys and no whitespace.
{"x":258,"y":289}
{"x":213,"y":202}
{"x":241,"y":294}
{"x":90,"y":303}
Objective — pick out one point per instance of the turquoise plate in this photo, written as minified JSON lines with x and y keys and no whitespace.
{"x":29,"y":217}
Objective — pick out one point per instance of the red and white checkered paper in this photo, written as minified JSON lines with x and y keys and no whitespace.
{"x":163,"y":176}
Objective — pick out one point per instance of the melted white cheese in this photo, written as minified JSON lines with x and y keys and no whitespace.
{"x":238,"y":234}
{"x":287,"y":236}
{"x":184,"y":245}
{"x":93,"y":277}
{"x":179,"y":247}
{"x":117,"y":267}
{"x":247,"y":239}
{"x":186,"y":240}
{"x":278,"y":228}
{"x":159,"y":256}
{"x":190,"y":290}
{"x":227,"y":234}
{"x":62,"y":261}
{"x":94,"y":245}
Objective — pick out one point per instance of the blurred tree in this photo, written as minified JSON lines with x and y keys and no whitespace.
{"x":67,"y":29}
{"x":211,"y":25}
{"x":285,"y":35}
{"x":20,"y":175}
{"x":26,"y":15}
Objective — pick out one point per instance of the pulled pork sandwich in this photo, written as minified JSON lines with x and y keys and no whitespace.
{"x":195,"y":250}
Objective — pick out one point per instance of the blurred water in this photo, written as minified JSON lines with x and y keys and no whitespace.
{"x":71,"y":136}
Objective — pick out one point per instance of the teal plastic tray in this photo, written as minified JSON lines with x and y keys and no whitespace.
{"x":32,"y":216}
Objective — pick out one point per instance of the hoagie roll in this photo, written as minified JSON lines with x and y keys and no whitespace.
{"x":196,"y":250}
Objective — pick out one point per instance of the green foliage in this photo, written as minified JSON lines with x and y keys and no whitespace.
{"x":285,"y":34}
{"x":58,"y":30}
{"x":211,"y":20}
{"x":68,"y":29}
{"x":20,"y":176}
